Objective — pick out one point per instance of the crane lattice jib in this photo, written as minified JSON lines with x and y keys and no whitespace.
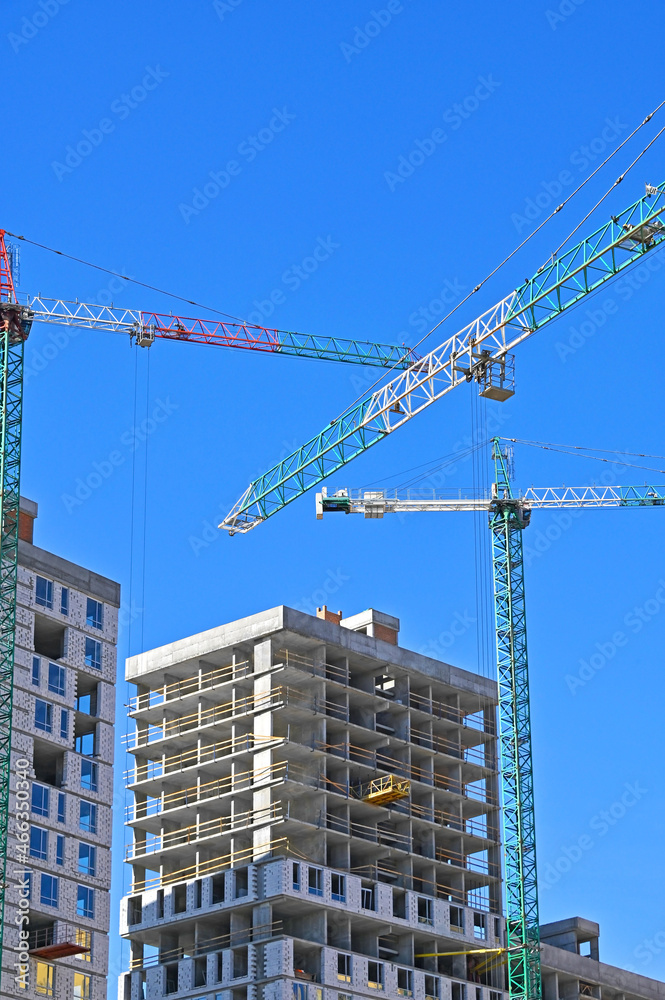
{"x":519,"y":832}
{"x":140,"y":324}
{"x":556,"y":287}
{"x":12,"y":335}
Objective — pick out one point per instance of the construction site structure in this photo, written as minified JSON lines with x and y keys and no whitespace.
{"x":57,"y":904}
{"x":313,"y":804}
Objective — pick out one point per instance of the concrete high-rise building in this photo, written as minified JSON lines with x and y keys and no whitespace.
{"x":61,"y":790}
{"x":316,"y":817}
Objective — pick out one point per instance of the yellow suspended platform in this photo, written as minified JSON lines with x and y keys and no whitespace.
{"x":381,"y":791}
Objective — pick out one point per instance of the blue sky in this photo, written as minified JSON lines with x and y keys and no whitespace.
{"x":163,"y":100}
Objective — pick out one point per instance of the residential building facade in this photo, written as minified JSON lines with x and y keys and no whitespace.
{"x":61,"y":789}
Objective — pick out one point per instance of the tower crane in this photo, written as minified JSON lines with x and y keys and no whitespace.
{"x":508,"y":516}
{"x":16,"y":321}
{"x":481,"y":352}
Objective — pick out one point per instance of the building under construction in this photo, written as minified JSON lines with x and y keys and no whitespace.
{"x":316,"y":816}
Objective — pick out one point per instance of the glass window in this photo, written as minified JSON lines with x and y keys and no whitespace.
{"x":44,"y":979}
{"x":59,"y":849}
{"x":89,"y":775}
{"x":88,"y":816}
{"x":344,"y":967}
{"x":38,"y":843}
{"x":81,"y":986}
{"x":93,"y":653}
{"x":338,"y":887}
{"x":56,"y":679}
{"x":404,"y":983}
{"x":85,"y":901}
{"x":84,"y":940}
{"x":43,"y":716}
{"x":479,"y":927}
{"x":40,"y":799}
{"x":431,"y":988}
{"x":296,"y":875}
{"x":315,"y":881}
{"x":87,"y":859}
{"x":43,"y":592}
{"x":64,"y":724}
{"x":64,"y":601}
{"x":375,"y":975}
{"x":49,"y":890}
{"x":94,"y":612}
{"x":85,"y":744}
{"x":61,"y":807}
{"x":425,"y":910}
{"x":36,"y":670}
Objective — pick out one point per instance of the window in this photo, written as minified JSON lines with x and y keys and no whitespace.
{"x":43,"y":592}
{"x":338,"y":887}
{"x":88,"y":816}
{"x":49,"y":891}
{"x":81,"y":986}
{"x":85,"y":744}
{"x":86,"y":702}
{"x":295,"y":875}
{"x":179,"y":898}
{"x":85,"y":901}
{"x":88,"y":859}
{"x":457,"y":991}
{"x":40,"y":800}
{"x":217,"y":887}
{"x":89,"y":775}
{"x":404,"y":983}
{"x":344,"y":996}
{"x":36,"y":670}
{"x":367,"y":897}
{"x":93,"y":614}
{"x":64,"y":724}
{"x":160,"y":902}
{"x":375,"y":975}
{"x":61,"y":807}
{"x":171,"y":979}
{"x":135,"y":910}
{"x":431,"y":988}
{"x":93,"y":653}
{"x":56,"y":679}
{"x":425,"y":911}
{"x":38,"y":843}
{"x":44,"y":979}
{"x":200,"y":971}
{"x":198,"y":900}
{"x":64,"y":601}
{"x":84,"y":940}
{"x":497,"y":929}
{"x":479,"y":927}
{"x":59,"y":849}
{"x":43,"y":716}
{"x":344,"y":968}
{"x":457,"y":919}
{"x":315,"y":881}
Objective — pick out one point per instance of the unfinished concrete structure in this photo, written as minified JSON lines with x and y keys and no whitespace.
{"x":61,"y":791}
{"x":315,"y":808}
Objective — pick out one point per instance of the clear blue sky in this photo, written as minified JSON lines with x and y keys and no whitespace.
{"x":169,"y":93}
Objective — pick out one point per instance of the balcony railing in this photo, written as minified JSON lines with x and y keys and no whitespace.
{"x":207,"y":681}
{"x":261,"y":932}
{"x":202,"y":831}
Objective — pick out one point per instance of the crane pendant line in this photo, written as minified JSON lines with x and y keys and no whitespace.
{"x":507,"y":520}
{"x":12,"y":336}
{"x":465,"y":356}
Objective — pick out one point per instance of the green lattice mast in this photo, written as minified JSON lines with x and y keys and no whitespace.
{"x":508,"y":518}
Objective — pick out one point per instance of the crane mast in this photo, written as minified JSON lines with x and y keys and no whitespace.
{"x":13,"y":332}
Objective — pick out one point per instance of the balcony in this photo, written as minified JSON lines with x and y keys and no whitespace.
{"x":56,"y":940}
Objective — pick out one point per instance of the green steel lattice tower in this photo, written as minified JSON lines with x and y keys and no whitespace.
{"x":507,"y":521}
